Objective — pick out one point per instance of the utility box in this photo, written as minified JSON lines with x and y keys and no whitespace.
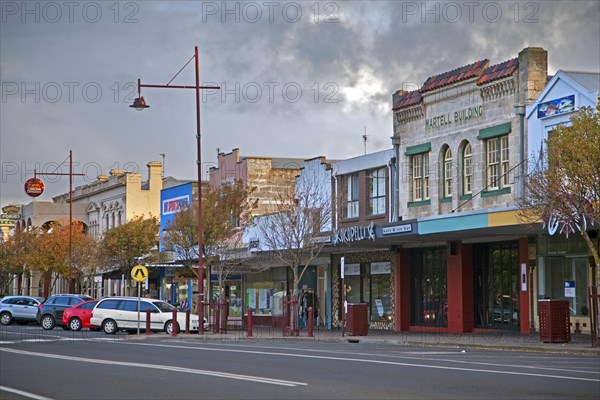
{"x":358,"y":319}
{"x":555,"y":321}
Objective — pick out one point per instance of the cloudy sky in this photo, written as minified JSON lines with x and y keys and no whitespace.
{"x":299,"y":79}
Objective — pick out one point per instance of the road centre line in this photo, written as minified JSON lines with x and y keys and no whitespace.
{"x":490,"y":371}
{"x":169,"y":368}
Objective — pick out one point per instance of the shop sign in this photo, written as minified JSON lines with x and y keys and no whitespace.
{"x":380,"y":268}
{"x":557,"y":106}
{"x":353,"y":234}
{"x":392,"y":230}
{"x":34,"y":187}
{"x":569,"y":288}
{"x":457,"y":117}
{"x":15,"y":217}
{"x":174,"y":205}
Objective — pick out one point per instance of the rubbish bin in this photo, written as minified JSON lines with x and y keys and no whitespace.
{"x":555,"y":321}
{"x":358,"y":319}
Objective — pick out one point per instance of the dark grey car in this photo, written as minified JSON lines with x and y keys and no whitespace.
{"x":19,"y":309}
{"x":52,"y":309}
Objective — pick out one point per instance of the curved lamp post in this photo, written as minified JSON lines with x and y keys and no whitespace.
{"x":140,"y":104}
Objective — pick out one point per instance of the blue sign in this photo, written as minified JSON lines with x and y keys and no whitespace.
{"x":558,"y":106}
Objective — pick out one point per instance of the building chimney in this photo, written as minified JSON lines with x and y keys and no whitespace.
{"x":533,"y":73}
{"x":154,"y":175}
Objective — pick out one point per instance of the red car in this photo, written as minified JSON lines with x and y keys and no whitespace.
{"x":78,"y":316}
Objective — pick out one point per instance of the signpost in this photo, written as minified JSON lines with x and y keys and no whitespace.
{"x":139,"y":273}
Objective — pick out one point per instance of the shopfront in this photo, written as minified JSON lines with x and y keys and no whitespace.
{"x":564,"y":273}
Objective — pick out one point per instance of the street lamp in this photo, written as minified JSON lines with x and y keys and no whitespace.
{"x":140,"y":104}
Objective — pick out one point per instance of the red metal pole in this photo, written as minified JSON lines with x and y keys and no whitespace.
{"x":217,"y":317}
{"x":310,"y":321}
{"x":187,"y":322}
{"x":200,"y":232}
{"x":249,"y":327}
{"x":174,"y":322}
{"x":148,"y":321}
{"x":71,"y":285}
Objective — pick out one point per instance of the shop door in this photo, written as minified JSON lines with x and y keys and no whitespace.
{"x":496,"y":285}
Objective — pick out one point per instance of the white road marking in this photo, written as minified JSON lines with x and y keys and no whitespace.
{"x":23,"y":393}
{"x":169,"y":368}
{"x":490,"y":371}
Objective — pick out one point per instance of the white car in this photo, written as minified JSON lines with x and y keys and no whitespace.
{"x":112,"y":314}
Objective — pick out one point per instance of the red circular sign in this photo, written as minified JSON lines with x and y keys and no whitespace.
{"x":34,"y":187}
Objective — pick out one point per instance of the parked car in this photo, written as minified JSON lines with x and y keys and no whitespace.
{"x":52,"y":309}
{"x":19,"y":309}
{"x":112,"y":314}
{"x":77,"y":317}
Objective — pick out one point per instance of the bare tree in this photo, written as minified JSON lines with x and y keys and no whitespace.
{"x":293,"y":233}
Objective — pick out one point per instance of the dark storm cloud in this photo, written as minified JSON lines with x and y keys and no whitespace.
{"x":353,"y":53}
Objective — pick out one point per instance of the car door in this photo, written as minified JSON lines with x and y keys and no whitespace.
{"x":156,"y":322}
{"x":30,"y":307}
{"x":16,"y":306}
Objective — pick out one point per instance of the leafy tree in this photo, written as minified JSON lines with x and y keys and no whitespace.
{"x":12,"y":258}
{"x":47,"y":250}
{"x":563,"y":189}
{"x":292,"y":232}
{"x":125,"y":244}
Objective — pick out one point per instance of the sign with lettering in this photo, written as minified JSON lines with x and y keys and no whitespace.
{"x":457,"y":117}
{"x":34,"y":187}
{"x":353,"y":234}
{"x":392,"y":230}
{"x":174,"y":205}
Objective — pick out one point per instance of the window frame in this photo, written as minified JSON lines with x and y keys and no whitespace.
{"x":377,"y":191}
{"x":497,"y":160}
{"x":419,"y":190}
{"x":351,"y":197}
{"x":447,"y":173}
{"x":467,"y":170}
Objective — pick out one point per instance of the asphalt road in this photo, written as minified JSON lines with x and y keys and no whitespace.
{"x":77,"y":365}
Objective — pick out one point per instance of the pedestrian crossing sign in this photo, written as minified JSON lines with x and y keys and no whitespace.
{"x":139,"y":273}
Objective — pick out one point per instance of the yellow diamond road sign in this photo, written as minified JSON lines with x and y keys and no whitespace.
{"x":139,"y":273}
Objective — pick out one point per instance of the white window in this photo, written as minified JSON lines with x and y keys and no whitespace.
{"x":497,"y":163}
{"x":467,"y":170}
{"x":420,"y":177}
{"x":377,"y":191}
{"x":351,"y":207}
{"x":447,"y":173}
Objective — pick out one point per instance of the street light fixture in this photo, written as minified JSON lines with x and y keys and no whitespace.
{"x":140,"y":104}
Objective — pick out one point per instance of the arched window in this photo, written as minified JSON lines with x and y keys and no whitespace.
{"x":447,"y":173}
{"x":467,"y":171}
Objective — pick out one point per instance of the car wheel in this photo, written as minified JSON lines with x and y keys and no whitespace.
{"x":109,"y":327}
{"x":48,"y":322}
{"x":75,"y":324}
{"x":169,"y":327}
{"x":6,"y":318}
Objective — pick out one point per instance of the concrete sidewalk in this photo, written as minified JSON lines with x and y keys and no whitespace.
{"x":497,"y":340}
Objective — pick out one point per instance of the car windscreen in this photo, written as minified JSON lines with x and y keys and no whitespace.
{"x":163,"y":307}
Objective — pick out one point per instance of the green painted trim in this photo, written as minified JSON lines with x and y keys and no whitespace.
{"x":418,"y":149}
{"x":493,"y":193}
{"x":495,"y":131}
{"x":419,"y":203}
{"x":466,"y":197}
{"x":447,"y":200}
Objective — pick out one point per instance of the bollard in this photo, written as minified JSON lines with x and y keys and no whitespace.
{"x":187,"y":321}
{"x":310,"y":321}
{"x":174,"y":322}
{"x":148,"y":321}
{"x":201,"y":315}
{"x":217,"y":316}
{"x":249,"y":327}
